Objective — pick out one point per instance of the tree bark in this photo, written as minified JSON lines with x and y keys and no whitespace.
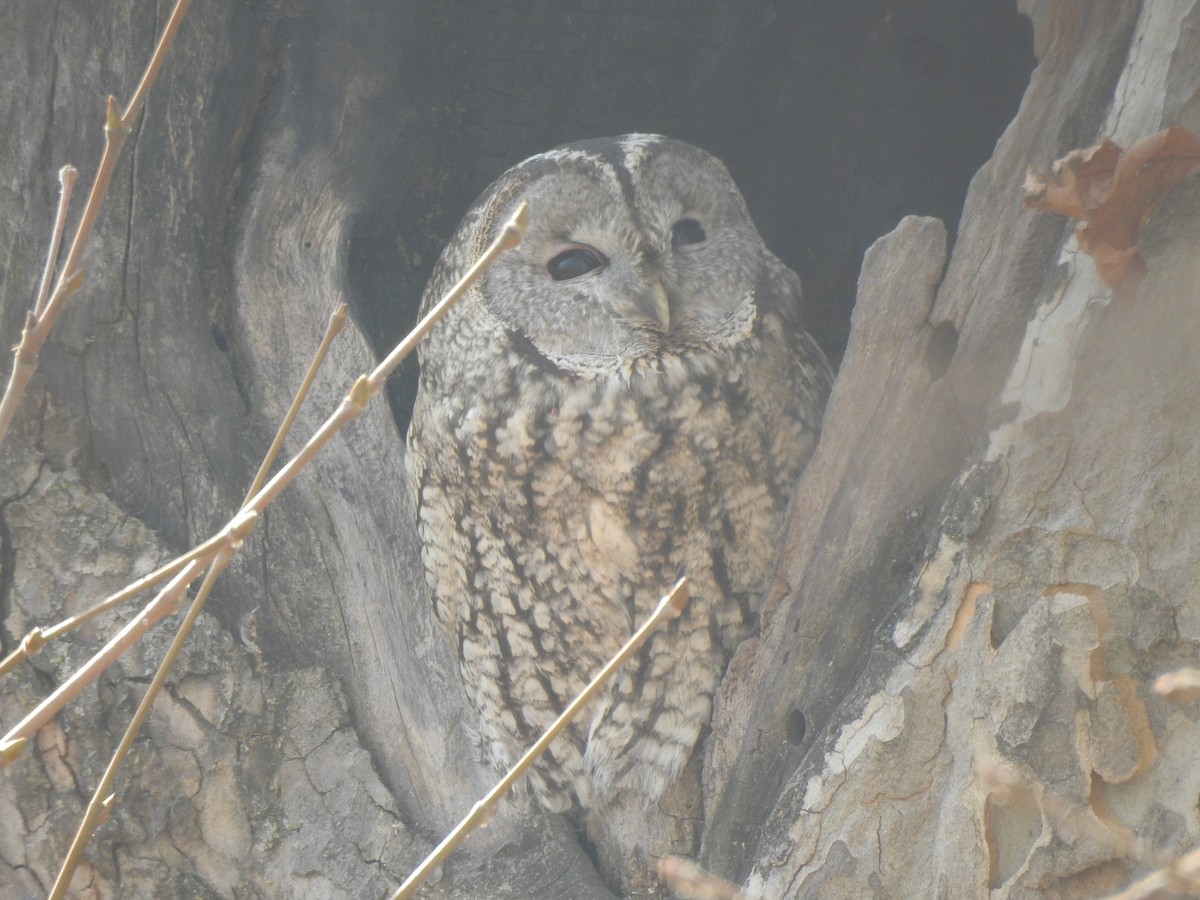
{"x":998,"y":552}
{"x":990,"y":557}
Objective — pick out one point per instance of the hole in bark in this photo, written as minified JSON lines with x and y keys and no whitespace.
{"x":940,"y":350}
{"x":797,"y":725}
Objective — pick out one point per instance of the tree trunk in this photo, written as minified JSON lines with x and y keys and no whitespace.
{"x":990,"y":557}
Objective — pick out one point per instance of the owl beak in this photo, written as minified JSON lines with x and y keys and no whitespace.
{"x":656,"y":305}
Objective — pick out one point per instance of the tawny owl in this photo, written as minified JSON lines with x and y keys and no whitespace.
{"x":626,"y":397}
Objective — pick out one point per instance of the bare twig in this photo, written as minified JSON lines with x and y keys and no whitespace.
{"x":167,"y":601}
{"x":224,"y":546}
{"x":67,"y":176}
{"x":352,"y":405}
{"x":1179,"y":878}
{"x":11,"y":751}
{"x":37,"y":638}
{"x":367,"y":386}
{"x":337,"y":321}
{"x":1067,"y":815}
{"x":688,"y":879}
{"x":1173,"y":876}
{"x":42,"y":317}
{"x":669,"y":607}
{"x":1179,"y":686}
{"x":103,"y":796}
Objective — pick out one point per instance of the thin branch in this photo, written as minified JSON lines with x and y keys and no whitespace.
{"x":1180,"y":686}
{"x":166,"y":602}
{"x":230,"y":539}
{"x":367,"y":386}
{"x":1009,"y":782}
{"x":242,"y":523}
{"x":1179,"y":878}
{"x":687,"y":879}
{"x":669,"y":607}
{"x":510,"y":236}
{"x":1172,"y":877}
{"x":117,"y":127}
{"x":156,"y":63}
{"x":337,"y":321}
{"x":103,"y":796}
{"x":42,"y":317}
{"x":37,"y":638}
{"x":67,"y":176}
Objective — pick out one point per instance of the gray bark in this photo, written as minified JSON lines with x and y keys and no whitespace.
{"x":990,"y":556}
{"x":998,"y":553}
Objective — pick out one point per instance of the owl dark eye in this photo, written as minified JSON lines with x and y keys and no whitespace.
{"x":687,"y":231}
{"x":573,"y":262}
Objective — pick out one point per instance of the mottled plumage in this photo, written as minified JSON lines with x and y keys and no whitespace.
{"x":626,"y":397}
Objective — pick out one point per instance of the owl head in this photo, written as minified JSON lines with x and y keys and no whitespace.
{"x":637,"y":246}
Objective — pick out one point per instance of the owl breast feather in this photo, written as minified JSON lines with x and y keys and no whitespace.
{"x":575,"y":501}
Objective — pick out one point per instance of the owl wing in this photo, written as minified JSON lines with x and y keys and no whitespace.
{"x":431,"y":463}
{"x":433,"y":471}
{"x":780,"y":294}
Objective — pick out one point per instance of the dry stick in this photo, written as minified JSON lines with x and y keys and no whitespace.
{"x":41,"y":319}
{"x":166,"y":602}
{"x":1063,"y":814}
{"x":669,"y":607}
{"x":1179,"y":686}
{"x":37,"y":638}
{"x":337,"y":321}
{"x":1173,"y":877}
{"x":67,"y":176}
{"x":687,"y":879}
{"x":102,"y":800}
{"x":241,"y":524}
{"x":103,"y":797}
{"x":367,"y":386}
{"x":1180,"y":878}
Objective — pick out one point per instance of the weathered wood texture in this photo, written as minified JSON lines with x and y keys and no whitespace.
{"x":991,"y":554}
{"x":1014,"y":524}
